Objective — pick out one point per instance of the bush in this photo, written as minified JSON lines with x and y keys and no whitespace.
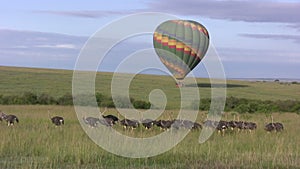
{"x":141,"y":104}
{"x":231,"y":103}
{"x":66,"y":99}
{"x":204,"y":104}
{"x":100,"y":98}
{"x":45,"y":99}
{"x":296,"y":108}
{"x":240,"y":105}
{"x":29,"y":98}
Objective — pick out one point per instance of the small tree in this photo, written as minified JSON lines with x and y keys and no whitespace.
{"x":138,"y":104}
{"x":66,"y":99}
{"x":29,"y":98}
{"x":46,"y":99}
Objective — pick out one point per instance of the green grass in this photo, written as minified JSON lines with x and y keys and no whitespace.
{"x":59,"y":82}
{"x":36,"y":143}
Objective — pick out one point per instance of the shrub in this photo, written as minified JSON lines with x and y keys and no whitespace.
{"x":29,"y":98}
{"x":45,"y":99}
{"x":100,"y":98}
{"x":231,"y":103}
{"x":204,"y":104}
{"x":296,"y":108}
{"x":240,"y":105}
{"x":138,"y":104}
{"x":66,"y":99}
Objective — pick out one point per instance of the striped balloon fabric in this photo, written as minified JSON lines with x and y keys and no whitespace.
{"x":180,"y":45}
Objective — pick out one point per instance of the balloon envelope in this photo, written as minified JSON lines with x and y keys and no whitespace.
{"x":180,"y":45}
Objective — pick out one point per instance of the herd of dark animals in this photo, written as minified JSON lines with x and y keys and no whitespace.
{"x":11,"y":119}
{"x":111,"y":120}
{"x":220,"y":126}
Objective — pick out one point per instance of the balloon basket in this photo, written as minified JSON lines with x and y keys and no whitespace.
{"x":179,"y":84}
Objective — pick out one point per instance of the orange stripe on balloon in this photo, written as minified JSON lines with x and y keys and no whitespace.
{"x":172,"y":42}
{"x":203,"y":30}
{"x":157,"y":37}
{"x":187,"y":48}
{"x":179,"y":46}
{"x":165,"y":40}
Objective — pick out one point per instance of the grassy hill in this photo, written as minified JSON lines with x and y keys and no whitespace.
{"x":15,"y":80}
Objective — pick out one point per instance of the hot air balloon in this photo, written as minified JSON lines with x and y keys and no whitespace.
{"x":180,"y":45}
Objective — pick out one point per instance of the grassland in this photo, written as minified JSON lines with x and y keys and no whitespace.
{"x":36,"y":143}
{"x":59,"y":82}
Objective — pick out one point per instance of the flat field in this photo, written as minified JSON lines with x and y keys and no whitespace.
{"x":36,"y":143}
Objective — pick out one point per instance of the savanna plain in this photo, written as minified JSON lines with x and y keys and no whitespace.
{"x":35,"y":142}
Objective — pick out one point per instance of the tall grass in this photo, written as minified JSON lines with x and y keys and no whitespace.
{"x":36,"y":143}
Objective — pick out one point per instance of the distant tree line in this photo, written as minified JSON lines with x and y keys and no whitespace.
{"x":243,"y":105}
{"x":29,"y":98}
{"x":240,"y":105}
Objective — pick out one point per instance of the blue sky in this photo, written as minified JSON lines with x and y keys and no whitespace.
{"x":254,"y":39}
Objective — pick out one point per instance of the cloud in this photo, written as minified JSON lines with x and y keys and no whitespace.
{"x":232,"y":10}
{"x":235,"y":10}
{"x":10,"y":38}
{"x":39,"y":49}
{"x":52,"y":50}
{"x":58,"y":46}
{"x":294,"y":38}
{"x":295,"y":26}
{"x":83,"y":13}
{"x":252,"y":56}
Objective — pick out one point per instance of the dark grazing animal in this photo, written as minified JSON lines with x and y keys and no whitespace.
{"x":222,"y":126}
{"x":250,"y":126}
{"x":188,"y":124}
{"x":240,"y":125}
{"x":148,"y":123}
{"x":210,"y":124}
{"x":2,"y":116}
{"x":185,"y":124}
{"x":129,"y":123}
{"x":270,"y":127}
{"x":232,"y":124}
{"x":107,"y":121}
{"x":274,"y":127}
{"x":164,"y":124}
{"x":278,"y":126}
{"x":91,"y":121}
{"x":177,"y":124}
{"x":111,"y":117}
{"x":11,"y":119}
{"x":196,"y":126}
{"x":57,"y":120}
